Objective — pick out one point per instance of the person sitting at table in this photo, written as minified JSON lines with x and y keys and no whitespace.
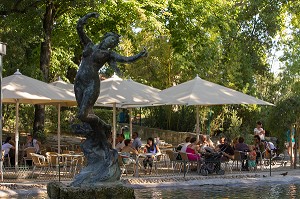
{"x":8,"y":153}
{"x":31,"y":142}
{"x":243,"y":148}
{"x":186,"y":144}
{"x":259,"y":147}
{"x":226,"y":149}
{"x":128,"y":151}
{"x":137,"y":143}
{"x":205,"y":142}
{"x":150,"y":147}
{"x":192,"y":150}
{"x":120,"y":142}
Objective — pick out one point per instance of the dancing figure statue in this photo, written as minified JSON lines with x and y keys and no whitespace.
{"x":102,"y":160}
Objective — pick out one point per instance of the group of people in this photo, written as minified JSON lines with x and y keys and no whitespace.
{"x":250,"y":153}
{"x":128,"y":147}
{"x":8,"y":147}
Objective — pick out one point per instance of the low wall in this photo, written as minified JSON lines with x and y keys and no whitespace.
{"x":171,"y":137}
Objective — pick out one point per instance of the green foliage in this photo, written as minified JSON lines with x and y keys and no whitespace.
{"x":284,"y":115}
{"x":235,"y":124}
{"x":223,"y":41}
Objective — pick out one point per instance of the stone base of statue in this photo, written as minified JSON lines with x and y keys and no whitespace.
{"x":58,"y":190}
{"x":101,"y":160}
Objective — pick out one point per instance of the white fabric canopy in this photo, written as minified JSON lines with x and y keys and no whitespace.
{"x":201,"y":92}
{"x":126,"y":93}
{"x":19,"y":88}
{"x":31,"y":91}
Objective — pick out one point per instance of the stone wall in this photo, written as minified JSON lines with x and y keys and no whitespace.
{"x":171,"y":137}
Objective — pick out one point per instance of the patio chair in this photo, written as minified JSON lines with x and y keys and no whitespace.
{"x":172,"y":157}
{"x":28,"y":159}
{"x":187,"y":163}
{"x":237,"y":159}
{"x":6,"y":160}
{"x":39,"y":162}
{"x":78,"y":164}
{"x":54,"y":161}
{"x":122,"y":165}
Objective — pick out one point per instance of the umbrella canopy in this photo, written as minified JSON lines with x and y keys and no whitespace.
{"x":19,"y":88}
{"x":115,"y":90}
{"x":64,"y":85}
{"x":200,"y":92}
{"x":126,"y":93}
{"x":31,"y":91}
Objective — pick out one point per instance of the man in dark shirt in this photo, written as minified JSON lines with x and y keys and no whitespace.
{"x":243,"y":148}
{"x":226,"y":149}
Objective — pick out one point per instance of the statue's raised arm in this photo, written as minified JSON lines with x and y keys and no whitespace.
{"x":84,"y":39}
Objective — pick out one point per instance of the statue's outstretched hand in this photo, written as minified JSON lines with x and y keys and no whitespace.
{"x":144,"y":53}
{"x":87,"y":16}
{"x":94,"y":14}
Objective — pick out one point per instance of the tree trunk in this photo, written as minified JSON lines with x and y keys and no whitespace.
{"x":39,"y":118}
{"x":45,"y":57}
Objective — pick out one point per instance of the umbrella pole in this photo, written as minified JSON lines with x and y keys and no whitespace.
{"x":197,"y":122}
{"x":2,"y":52}
{"x":58,"y":129}
{"x":130,"y":122}
{"x":114,"y":126}
{"x":17,"y":135}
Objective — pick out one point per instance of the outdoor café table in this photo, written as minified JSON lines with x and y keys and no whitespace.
{"x":71,"y":161}
{"x":62,"y":146}
{"x":143,"y":155}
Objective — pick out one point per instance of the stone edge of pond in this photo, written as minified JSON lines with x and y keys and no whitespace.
{"x":175,"y":179}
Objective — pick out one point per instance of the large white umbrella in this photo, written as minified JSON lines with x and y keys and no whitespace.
{"x":201,"y":92}
{"x":19,"y":88}
{"x":126,"y":93}
{"x":68,"y":87}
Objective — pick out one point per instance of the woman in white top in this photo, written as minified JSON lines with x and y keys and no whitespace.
{"x":259,"y":131}
{"x":6,"y":146}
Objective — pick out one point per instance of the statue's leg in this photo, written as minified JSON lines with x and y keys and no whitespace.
{"x":85,"y":113}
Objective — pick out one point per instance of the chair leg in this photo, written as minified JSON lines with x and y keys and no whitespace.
{"x":33,"y":169}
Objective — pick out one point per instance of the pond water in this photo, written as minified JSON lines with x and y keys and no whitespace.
{"x":247,"y":190}
{"x":270,"y":191}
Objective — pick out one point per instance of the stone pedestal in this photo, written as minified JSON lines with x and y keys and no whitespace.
{"x":58,"y":190}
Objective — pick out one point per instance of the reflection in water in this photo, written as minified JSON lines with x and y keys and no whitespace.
{"x":292,"y":192}
{"x":252,"y":191}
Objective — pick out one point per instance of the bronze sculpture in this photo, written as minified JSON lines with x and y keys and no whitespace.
{"x":102,"y":160}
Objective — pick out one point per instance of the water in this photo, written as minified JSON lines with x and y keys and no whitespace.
{"x":271,"y":191}
{"x":266,"y":190}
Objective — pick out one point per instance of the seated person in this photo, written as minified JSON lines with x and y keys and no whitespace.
{"x":150,"y":147}
{"x":192,"y":150}
{"x":7,"y":146}
{"x":226,"y":149}
{"x":185,"y":145}
{"x":205,"y":143}
{"x":270,"y":147}
{"x":259,"y":147}
{"x":31,"y":142}
{"x":120,"y":142}
{"x":137,"y":143}
{"x":128,"y":151}
{"x":243,"y":147}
